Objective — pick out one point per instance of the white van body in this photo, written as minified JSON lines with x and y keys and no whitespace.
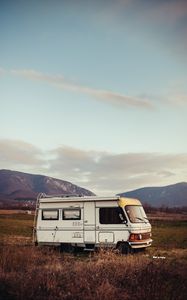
{"x":91,"y":222}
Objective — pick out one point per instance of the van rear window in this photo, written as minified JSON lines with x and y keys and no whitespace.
{"x":71,"y":214}
{"x":50,"y":214}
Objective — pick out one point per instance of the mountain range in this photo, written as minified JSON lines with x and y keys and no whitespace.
{"x":174,"y":195}
{"x":23,"y":186}
{"x":18,"y":186}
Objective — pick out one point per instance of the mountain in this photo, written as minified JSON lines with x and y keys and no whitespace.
{"x":174,"y":195}
{"x":16,"y":186}
{"x":23,"y":186}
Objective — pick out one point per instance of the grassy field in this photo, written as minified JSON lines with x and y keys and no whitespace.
{"x":169,"y":234}
{"x":28,"y":272}
{"x":16,"y":224}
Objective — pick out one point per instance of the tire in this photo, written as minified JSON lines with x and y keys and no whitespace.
{"x":124,"y":248}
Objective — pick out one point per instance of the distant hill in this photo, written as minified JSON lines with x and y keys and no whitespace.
{"x":174,"y":195}
{"x":19,"y":187}
{"x":23,"y":186}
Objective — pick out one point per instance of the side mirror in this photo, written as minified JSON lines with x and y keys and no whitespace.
{"x":123,"y":220}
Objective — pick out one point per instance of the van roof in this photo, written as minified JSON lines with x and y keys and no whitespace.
{"x":49,"y":199}
{"x":56,"y":199}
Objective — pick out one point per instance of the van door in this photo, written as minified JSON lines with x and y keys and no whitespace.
{"x":89,"y":222}
{"x":111,"y":225}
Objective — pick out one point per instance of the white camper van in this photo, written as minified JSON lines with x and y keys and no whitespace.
{"x":90,"y":222}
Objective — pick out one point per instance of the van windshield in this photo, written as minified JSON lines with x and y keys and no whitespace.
{"x":136,"y":214}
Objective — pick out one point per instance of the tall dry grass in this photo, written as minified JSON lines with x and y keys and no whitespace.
{"x":43,"y":273}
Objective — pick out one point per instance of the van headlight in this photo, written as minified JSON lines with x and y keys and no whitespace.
{"x":135,"y":237}
{"x":139,"y":236}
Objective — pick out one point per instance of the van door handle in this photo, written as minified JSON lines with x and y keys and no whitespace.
{"x":86,"y":221}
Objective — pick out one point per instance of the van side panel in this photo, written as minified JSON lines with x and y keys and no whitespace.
{"x":67,"y":229}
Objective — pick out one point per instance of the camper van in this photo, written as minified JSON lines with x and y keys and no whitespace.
{"x":90,"y":222}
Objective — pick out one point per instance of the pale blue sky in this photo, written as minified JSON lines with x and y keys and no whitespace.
{"x":94,"y":82}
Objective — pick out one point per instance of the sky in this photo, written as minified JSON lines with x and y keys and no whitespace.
{"x":95,"y":92}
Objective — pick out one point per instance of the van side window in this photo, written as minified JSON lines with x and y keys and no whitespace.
{"x":71,"y":214}
{"x":111,"y":215}
{"x":50,"y":214}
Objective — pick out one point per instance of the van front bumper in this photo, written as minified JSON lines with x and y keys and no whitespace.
{"x":141,"y":244}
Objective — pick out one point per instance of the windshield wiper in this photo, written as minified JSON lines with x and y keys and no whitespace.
{"x":139,"y":219}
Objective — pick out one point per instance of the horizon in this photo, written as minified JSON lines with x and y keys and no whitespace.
{"x":95,"y":92}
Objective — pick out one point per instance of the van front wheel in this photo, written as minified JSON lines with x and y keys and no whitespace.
{"x":124,"y":248}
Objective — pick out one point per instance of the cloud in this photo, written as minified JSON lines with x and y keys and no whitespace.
{"x":107,"y":96}
{"x":164,"y":22}
{"x":179,"y":98}
{"x":2,"y":71}
{"x":19,"y":154}
{"x":165,"y":11}
{"x":102,"y":172}
{"x":35,"y":75}
{"x":109,"y":173}
{"x":156,"y":12}
{"x":170,"y":19}
{"x":143,"y":101}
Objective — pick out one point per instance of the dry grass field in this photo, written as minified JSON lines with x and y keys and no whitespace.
{"x":28,"y":272}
